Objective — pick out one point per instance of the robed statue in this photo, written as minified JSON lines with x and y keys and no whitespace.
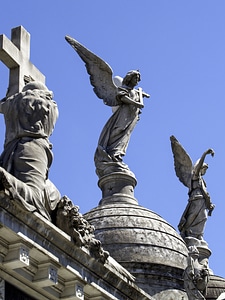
{"x":30,"y":118}
{"x":127,"y":102}
{"x":199,"y":205}
{"x":196,"y":276}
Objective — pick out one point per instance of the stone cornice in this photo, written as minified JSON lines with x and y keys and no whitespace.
{"x":41,"y":259}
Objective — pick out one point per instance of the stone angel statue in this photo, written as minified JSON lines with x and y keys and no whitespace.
{"x":199,"y":205}
{"x":127,"y":102}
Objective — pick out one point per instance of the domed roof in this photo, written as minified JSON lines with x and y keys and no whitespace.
{"x":142,"y":242}
{"x":215,"y":288}
{"x":139,"y":239}
{"x":132,"y":233}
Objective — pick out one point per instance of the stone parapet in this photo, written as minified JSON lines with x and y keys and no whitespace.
{"x":40,"y":259}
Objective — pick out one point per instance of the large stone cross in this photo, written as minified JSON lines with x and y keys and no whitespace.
{"x":15,"y":54}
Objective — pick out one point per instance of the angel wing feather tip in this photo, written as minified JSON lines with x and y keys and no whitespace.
{"x":99,"y":71}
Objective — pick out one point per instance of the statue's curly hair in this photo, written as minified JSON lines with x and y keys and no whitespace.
{"x":129,"y":75}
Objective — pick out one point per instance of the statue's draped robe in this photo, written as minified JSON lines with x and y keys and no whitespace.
{"x":115,"y":136}
{"x":193,"y":220}
{"x":30,"y":117}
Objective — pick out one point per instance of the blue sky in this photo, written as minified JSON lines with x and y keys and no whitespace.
{"x":179,"y":48}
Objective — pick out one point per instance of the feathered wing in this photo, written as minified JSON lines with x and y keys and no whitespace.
{"x":100,"y":73}
{"x":182,"y":162}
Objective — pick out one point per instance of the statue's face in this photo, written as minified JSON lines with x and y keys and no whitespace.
{"x":135,"y":79}
{"x":203,"y":170}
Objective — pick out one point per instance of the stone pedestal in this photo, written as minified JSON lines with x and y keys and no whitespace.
{"x":117,"y":187}
{"x":202,"y":246}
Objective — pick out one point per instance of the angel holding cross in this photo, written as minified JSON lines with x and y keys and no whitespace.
{"x":127,"y":102}
{"x":115,"y":135}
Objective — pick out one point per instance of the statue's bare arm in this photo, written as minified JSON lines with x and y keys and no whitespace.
{"x":126,"y":99}
{"x":201,"y":161}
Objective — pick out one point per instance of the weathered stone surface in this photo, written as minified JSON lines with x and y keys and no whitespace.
{"x":199,"y":207}
{"x":15,"y":54}
{"x":196,"y":276}
{"x":2,"y":289}
{"x":143,"y":242}
{"x":117,"y":187}
{"x":54,"y":261}
{"x":171,"y":295}
{"x":215,"y":288}
{"x":127,"y":103}
{"x":221,"y":297}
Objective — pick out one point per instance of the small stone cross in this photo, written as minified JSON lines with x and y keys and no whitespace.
{"x":15,"y":54}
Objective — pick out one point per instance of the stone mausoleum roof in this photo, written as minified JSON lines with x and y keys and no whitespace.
{"x":142,"y":242}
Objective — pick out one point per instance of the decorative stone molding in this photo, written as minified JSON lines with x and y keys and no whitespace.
{"x":57,"y":269}
{"x":117,"y":187}
{"x":71,"y":221}
{"x":46,"y":275}
{"x":74,"y":289}
{"x":17,"y":256}
{"x":2,"y":289}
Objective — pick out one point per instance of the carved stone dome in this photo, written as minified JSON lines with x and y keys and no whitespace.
{"x":142,"y":242}
{"x":215,"y":288}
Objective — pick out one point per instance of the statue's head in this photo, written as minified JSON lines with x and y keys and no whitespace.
{"x":203,"y":168}
{"x":193,"y":251}
{"x":37,"y":85}
{"x":132,"y":78}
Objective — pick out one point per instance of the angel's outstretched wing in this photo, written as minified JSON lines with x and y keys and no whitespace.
{"x":100,"y":73}
{"x":182,"y":162}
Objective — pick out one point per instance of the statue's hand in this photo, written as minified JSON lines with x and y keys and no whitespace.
{"x":211,"y":208}
{"x":210,"y":151}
